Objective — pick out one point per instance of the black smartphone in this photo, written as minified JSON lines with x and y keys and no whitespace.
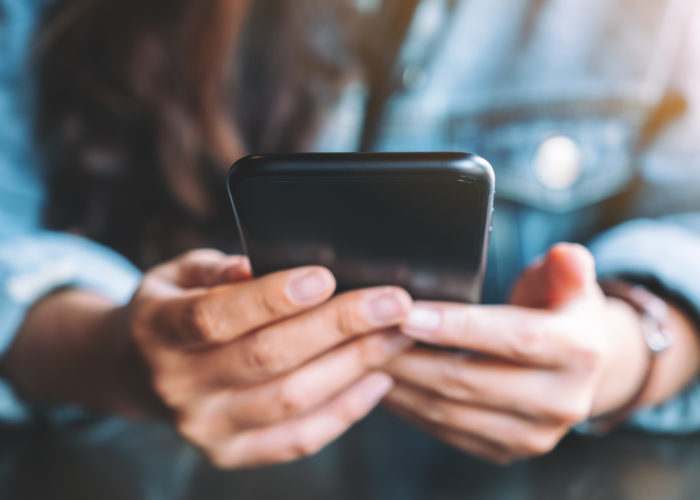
{"x":420,"y":221}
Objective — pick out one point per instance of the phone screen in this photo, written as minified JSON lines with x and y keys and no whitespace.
{"x":426,"y":235}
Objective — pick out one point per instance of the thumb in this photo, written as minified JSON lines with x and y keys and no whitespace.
{"x":564,"y":274}
{"x":205,"y":268}
{"x":570,"y":273}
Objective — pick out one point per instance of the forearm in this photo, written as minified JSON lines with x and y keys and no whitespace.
{"x":74,"y":348}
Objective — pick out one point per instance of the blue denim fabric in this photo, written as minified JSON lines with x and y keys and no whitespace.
{"x":33,"y":261}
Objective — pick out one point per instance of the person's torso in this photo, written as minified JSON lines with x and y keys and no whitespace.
{"x":572,"y":102}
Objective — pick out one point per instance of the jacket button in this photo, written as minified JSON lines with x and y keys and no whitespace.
{"x":557,"y":163}
{"x":413,"y":78}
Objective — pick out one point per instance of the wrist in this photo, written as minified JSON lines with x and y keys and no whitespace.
{"x":628,"y":360}
{"x":672,"y":349}
{"x":74,"y":348}
{"x":125,"y":374}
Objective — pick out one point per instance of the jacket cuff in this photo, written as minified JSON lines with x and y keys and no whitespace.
{"x":34,"y":265}
{"x":662,"y":255}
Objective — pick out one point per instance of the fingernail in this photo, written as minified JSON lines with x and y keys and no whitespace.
{"x":308,"y":288}
{"x":376,"y":387}
{"x":397,"y":343}
{"x":244,"y":265}
{"x":421,"y":321}
{"x":235,"y":267}
{"x":384,"y":307}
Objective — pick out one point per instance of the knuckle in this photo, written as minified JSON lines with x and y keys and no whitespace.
{"x":143,"y":313}
{"x":268,"y":304}
{"x":196,"y":320}
{"x":354,"y":409}
{"x":570,"y":413}
{"x":530,"y":340}
{"x":455,"y":384}
{"x":465,"y":322}
{"x":370,"y":351}
{"x":537,"y":443}
{"x":350,"y":410}
{"x":265,"y":358}
{"x":171,"y":390}
{"x":304,"y":445}
{"x":197,"y":263}
{"x":292,"y":400}
{"x":586,"y":356}
{"x":189,"y":256}
{"x":193,"y":430}
{"x":219,"y":459}
{"x":438,"y":414}
{"x":349,"y":317}
{"x":199,"y":254}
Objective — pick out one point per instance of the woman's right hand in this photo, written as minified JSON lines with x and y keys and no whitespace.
{"x":267,"y":370}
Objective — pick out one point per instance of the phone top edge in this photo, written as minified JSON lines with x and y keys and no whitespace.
{"x":455,"y":164}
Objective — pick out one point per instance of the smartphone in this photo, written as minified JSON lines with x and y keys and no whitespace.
{"x":420,"y":221}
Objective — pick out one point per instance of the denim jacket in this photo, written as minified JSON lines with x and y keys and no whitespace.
{"x":586,"y":109}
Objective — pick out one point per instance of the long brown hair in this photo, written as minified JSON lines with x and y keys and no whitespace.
{"x":143,"y":105}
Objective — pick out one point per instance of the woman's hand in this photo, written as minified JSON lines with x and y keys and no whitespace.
{"x":253,"y":371}
{"x":266,"y":370}
{"x":561,"y":353}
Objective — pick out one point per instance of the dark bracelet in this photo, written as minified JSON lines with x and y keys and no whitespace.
{"x":654,"y":314}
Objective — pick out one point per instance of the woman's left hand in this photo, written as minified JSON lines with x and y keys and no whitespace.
{"x":561,"y":353}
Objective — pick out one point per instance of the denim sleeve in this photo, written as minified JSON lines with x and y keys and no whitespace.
{"x":662,"y":253}
{"x":34,"y":264}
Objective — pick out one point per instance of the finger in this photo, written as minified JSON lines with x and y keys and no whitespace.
{"x":479,"y":448}
{"x":531,"y":393}
{"x":522,"y":437}
{"x":205,"y":268}
{"x":224,"y":313}
{"x":289,"y":344}
{"x":474,"y":445}
{"x":528,"y":336}
{"x":306,"y":435}
{"x":297,"y":393}
{"x":566,"y":272}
